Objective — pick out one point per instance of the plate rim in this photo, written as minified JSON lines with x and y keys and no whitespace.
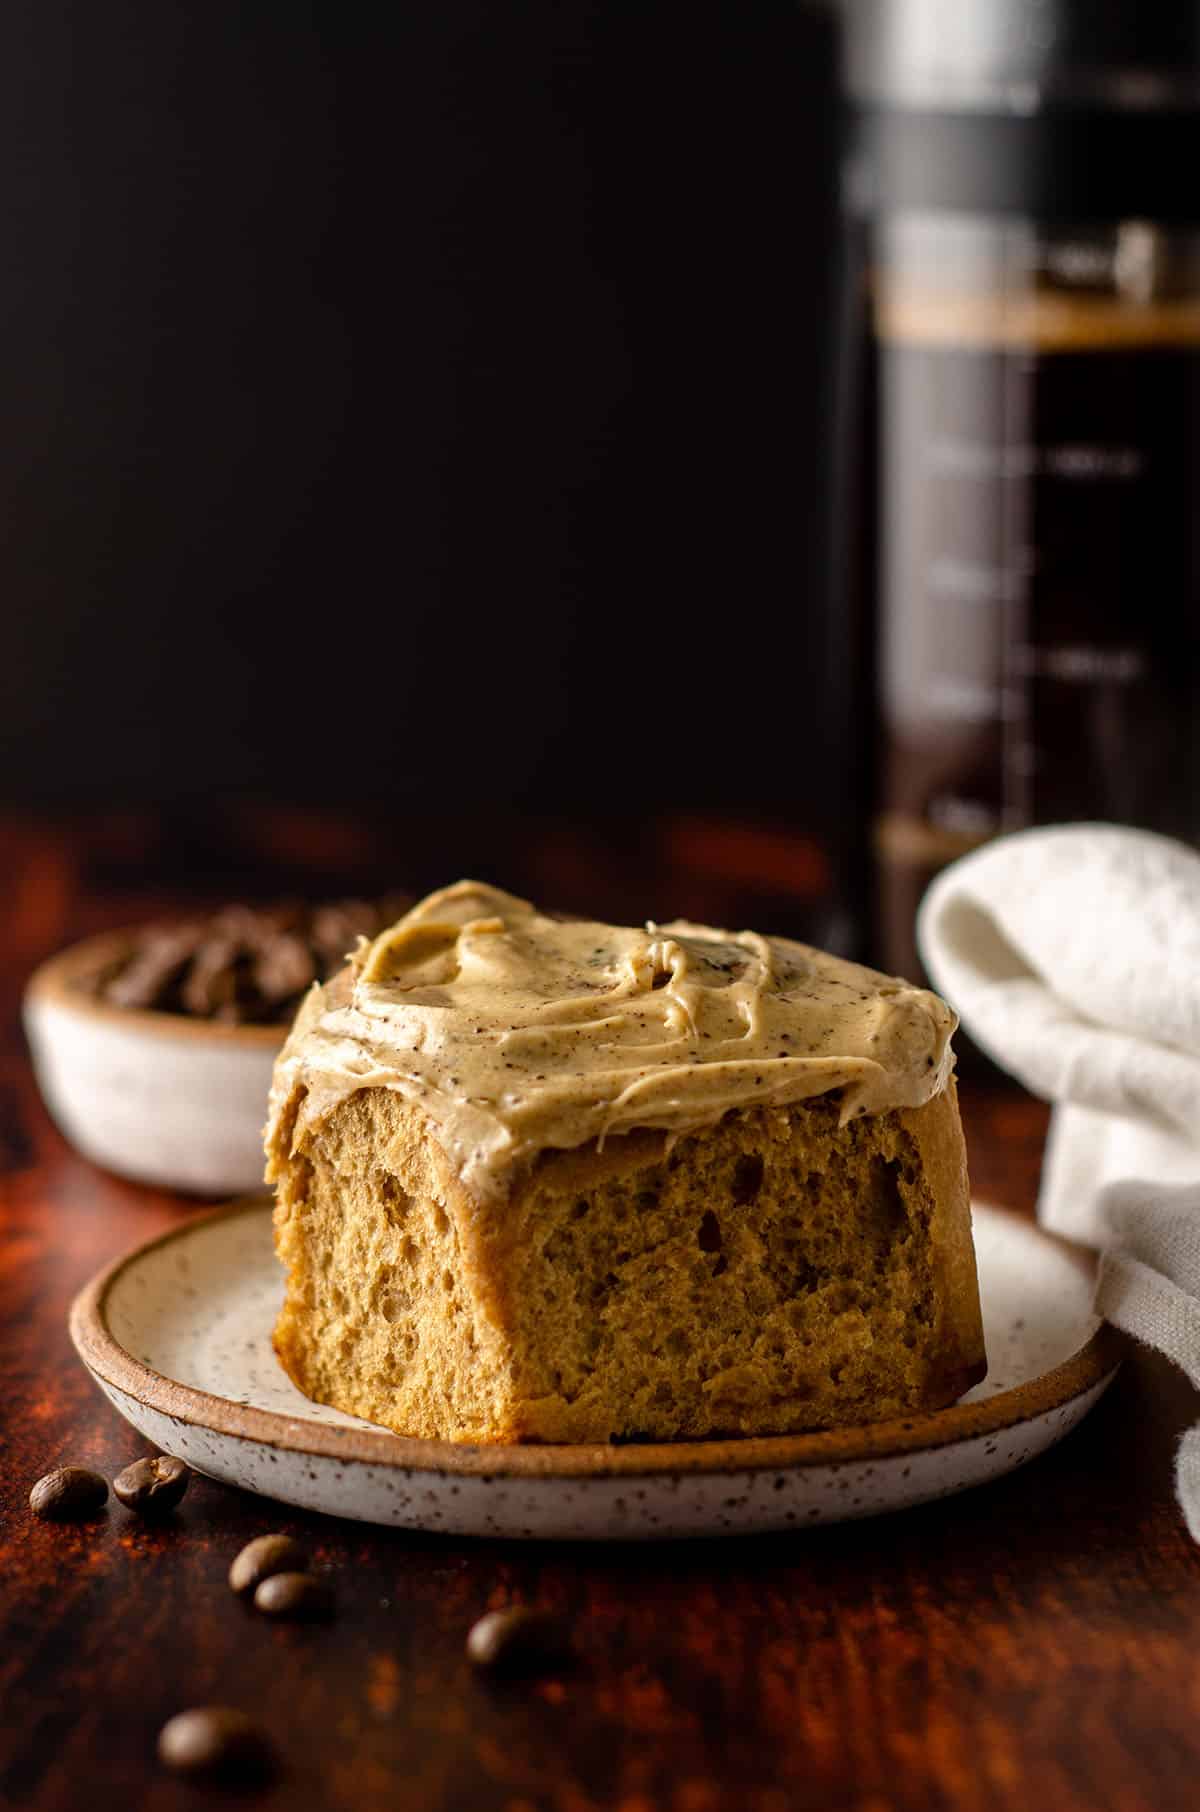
{"x":112,"y":1364}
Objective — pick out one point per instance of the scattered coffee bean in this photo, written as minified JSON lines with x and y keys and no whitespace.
{"x":517,"y":1641}
{"x":300,"y":1595}
{"x":152,"y":1487}
{"x":215,"y":1740}
{"x":67,"y":1493}
{"x":265,"y":1555}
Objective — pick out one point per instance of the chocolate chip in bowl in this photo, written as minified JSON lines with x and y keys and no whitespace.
{"x":154,"y":1047}
{"x":244,"y":965}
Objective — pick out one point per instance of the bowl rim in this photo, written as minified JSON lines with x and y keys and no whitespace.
{"x":57,"y":983}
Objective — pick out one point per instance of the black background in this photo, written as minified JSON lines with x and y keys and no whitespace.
{"x":414,"y":400}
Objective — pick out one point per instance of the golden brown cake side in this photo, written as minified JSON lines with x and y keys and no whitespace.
{"x":773,"y":1272}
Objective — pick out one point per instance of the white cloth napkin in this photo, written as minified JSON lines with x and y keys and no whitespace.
{"x":1072,"y":956}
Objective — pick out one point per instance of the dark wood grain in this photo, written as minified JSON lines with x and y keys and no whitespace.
{"x":1028,"y":1645}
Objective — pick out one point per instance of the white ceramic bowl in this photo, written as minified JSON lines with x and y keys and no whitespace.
{"x":155,"y":1096}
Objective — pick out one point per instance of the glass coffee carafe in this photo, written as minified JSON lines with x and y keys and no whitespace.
{"x":1020,"y":555}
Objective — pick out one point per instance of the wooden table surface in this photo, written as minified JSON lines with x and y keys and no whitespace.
{"x":1032,"y":1644}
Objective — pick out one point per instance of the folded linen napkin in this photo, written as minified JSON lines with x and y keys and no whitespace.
{"x":1072,"y":956}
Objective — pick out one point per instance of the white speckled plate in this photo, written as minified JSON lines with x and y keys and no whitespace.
{"x":177,"y":1335}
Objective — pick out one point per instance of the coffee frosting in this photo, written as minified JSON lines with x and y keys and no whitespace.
{"x":517,"y":1032}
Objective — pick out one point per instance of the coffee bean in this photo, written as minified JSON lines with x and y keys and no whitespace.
{"x":517,"y":1641}
{"x":153,"y":1487}
{"x":265,"y":1555}
{"x":300,"y":1595}
{"x":68,"y":1493}
{"x":217,"y":1741}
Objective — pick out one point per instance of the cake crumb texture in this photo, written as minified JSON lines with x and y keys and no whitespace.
{"x":774,"y":1272}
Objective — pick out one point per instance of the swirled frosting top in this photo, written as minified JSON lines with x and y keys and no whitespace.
{"x":516,"y":1032}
